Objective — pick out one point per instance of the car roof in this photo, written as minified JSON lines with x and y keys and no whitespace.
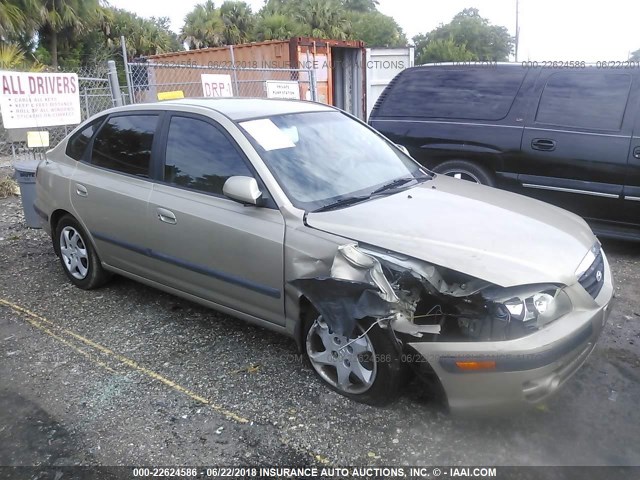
{"x":241,"y":108}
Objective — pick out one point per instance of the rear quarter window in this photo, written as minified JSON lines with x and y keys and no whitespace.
{"x":77,"y":144}
{"x":461,"y":93}
{"x":124,"y":144}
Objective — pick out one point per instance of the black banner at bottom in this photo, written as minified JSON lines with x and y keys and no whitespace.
{"x":314,"y":472}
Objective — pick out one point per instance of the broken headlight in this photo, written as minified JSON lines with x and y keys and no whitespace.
{"x":536,"y":309}
{"x":515,"y":312}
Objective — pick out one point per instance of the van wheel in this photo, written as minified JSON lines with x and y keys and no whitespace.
{"x":465,"y":170}
{"x":78,"y":258}
{"x":364,"y":366}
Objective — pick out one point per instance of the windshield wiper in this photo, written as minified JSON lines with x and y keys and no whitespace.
{"x":361,"y":198}
{"x":396,"y":183}
{"x":342,"y":203}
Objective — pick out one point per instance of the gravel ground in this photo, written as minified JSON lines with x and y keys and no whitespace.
{"x":127,"y":375}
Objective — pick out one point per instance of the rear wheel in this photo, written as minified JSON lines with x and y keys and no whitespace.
{"x":79,"y":260}
{"x":465,"y":170}
{"x":364,"y":366}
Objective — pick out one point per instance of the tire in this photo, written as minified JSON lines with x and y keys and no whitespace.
{"x":378,"y":356}
{"x":467,"y":171}
{"x":78,"y":258}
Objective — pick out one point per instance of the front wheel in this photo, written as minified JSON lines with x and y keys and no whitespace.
{"x":465,"y":170}
{"x":364,"y":366}
{"x":78,"y":258}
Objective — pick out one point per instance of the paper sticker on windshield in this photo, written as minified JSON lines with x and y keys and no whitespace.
{"x":268,"y":135}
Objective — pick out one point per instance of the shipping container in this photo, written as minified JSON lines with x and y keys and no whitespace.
{"x":340,"y":69}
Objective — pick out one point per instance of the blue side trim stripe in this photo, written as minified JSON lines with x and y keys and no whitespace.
{"x":217,"y":274}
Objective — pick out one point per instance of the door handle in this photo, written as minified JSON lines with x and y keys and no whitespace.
{"x":166,"y":216}
{"x":636,"y":152}
{"x":543,"y":144}
{"x":81,"y":190}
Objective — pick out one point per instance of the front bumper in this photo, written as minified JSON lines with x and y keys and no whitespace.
{"x":527,"y":370}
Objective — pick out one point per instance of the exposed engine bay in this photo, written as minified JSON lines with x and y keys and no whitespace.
{"x":419,"y":300}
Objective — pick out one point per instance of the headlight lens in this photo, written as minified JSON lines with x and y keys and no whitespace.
{"x":541,"y":308}
{"x":542,"y":301}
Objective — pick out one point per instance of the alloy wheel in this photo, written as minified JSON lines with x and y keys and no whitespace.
{"x":347,"y":364}
{"x":74,"y":253}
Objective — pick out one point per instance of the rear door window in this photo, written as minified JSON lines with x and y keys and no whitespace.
{"x":589,"y":100}
{"x":124,"y":143}
{"x":200,"y":157}
{"x":78,"y":142}
{"x":485,"y":93}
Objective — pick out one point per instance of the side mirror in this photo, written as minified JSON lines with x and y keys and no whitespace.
{"x":242,"y":189}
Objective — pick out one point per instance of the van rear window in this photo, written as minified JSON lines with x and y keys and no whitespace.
{"x":590,"y":100}
{"x":461,"y":93}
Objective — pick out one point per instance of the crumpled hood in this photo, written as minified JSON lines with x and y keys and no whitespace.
{"x":491,"y":234}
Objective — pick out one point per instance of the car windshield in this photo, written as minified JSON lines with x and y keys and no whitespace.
{"x":322,"y":159}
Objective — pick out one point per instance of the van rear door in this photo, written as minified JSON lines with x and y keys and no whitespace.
{"x":576,"y":141}
{"x":632,"y":184}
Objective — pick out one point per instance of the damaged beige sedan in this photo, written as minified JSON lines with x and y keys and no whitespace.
{"x":301,"y":219}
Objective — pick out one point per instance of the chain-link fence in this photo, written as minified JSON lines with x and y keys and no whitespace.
{"x":95,"y":96}
{"x":150,"y":82}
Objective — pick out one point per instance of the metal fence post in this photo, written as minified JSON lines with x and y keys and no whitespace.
{"x":313,"y":85}
{"x":114,"y":83}
{"x":235,"y":72}
{"x":86,"y":103}
{"x":127,"y":73}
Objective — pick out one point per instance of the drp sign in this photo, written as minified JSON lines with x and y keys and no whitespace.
{"x":216,"y":85}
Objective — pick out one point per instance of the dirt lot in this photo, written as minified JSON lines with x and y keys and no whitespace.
{"x":127,"y":375}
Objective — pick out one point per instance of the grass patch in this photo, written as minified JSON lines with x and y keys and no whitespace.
{"x":8,"y":187}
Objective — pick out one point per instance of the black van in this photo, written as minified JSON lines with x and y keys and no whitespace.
{"x":568,"y":136}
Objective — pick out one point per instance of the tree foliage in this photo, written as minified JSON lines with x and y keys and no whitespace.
{"x":12,"y":18}
{"x":338,"y":19}
{"x":143,"y":36}
{"x":376,"y":29}
{"x":13,"y":57}
{"x":202,"y":26}
{"x":72,"y":33}
{"x":446,"y":50}
{"x":237,"y":20}
{"x":276,"y":26}
{"x":635,"y":56}
{"x":467,"y":37}
{"x":58,"y":22}
{"x":361,"y":5}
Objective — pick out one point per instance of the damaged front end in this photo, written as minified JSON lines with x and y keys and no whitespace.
{"x":416,"y":300}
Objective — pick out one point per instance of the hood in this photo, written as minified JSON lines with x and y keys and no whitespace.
{"x":491,"y":234}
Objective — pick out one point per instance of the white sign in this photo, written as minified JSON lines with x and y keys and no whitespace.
{"x":216,"y":85}
{"x":267,"y":134}
{"x":39,"y":99}
{"x":283,"y":90}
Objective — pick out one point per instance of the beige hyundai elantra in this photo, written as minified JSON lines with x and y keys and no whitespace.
{"x":301,"y":219}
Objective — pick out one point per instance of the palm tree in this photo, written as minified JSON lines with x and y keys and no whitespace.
{"x":238,"y":21}
{"x":55,"y":18}
{"x":203,"y":26}
{"x":12,"y":57}
{"x":276,"y":27}
{"x":12,"y":18}
{"x":323,"y":19}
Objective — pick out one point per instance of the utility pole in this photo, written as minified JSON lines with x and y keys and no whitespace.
{"x":517,"y":27}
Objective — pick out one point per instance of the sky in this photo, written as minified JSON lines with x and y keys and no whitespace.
{"x":549,"y":29}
